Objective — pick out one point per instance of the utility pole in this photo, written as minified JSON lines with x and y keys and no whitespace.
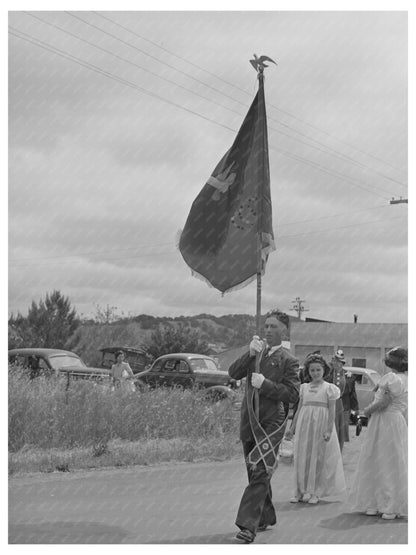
{"x":298,"y":306}
{"x":399,"y":201}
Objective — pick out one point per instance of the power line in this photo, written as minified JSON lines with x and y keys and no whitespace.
{"x":157,"y":254}
{"x":270,"y":104}
{"x":321,"y":168}
{"x":88,"y":65}
{"x":339,"y":227}
{"x":153,"y":245}
{"x":336,"y":153}
{"x":333,"y":216}
{"x":103,"y":259}
{"x":156,"y":59}
{"x":212,"y":74}
{"x":79,"y":61}
{"x":92,"y":253}
{"x":169,"y":243}
{"x":329,"y":149}
{"x":339,"y":140}
{"x":325,"y":150}
{"x":98,"y":47}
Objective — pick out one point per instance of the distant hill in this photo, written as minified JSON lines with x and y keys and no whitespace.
{"x":223,"y":332}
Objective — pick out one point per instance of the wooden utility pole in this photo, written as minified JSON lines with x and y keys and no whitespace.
{"x":399,"y":201}
{"x":298,"y":306}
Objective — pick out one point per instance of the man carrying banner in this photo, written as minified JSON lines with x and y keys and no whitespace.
{"x":226,"y":241}
{"x":277,"y":384}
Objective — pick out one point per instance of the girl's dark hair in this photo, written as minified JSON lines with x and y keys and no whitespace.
{"x":118,"y":353}
{"x":314,"y":357}
{"x":397,"y":358}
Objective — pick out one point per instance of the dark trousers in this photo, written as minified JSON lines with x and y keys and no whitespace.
{"x":256,"y":507}
{"x":339,"y":426}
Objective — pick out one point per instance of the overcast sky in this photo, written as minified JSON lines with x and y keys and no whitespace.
{"x":117,"y":119}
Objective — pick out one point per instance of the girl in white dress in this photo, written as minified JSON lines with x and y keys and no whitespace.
{"x":380,"y":483}
{"x":318,"y":462}
{"x":122,"y":374}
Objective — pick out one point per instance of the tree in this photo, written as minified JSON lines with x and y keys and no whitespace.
{"x":50,"y":323}
{"x":15,"y":333}
{"x":175,"y":339}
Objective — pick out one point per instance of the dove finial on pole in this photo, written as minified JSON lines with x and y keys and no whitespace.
{"x":259,"y":62}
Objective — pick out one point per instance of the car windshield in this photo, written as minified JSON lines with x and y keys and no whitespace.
{"x":62,"y":361}
{"x":204,"y":365}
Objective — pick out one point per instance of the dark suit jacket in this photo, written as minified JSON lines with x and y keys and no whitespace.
{"x":348,"y":400}
{"x":349,"y":397}
{"x":280,"y":387}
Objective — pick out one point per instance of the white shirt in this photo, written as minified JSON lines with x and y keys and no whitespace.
{"x":273,"y":349}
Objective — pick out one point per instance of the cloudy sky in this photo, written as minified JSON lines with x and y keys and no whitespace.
{"x":117,"y":119}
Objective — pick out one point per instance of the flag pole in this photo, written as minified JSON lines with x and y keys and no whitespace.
{"x":260,"y":77}
{"x":258,"y":325}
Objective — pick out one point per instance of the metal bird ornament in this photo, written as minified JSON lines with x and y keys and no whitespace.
{"x":259,"y":63}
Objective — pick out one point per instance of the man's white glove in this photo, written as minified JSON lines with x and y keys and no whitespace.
{"x":256,"y":345}
{"x":256,"y":380}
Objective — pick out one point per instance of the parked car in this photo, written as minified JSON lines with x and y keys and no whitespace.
{"x":55,"y":362}
{"x":188,"y":370}
{"x":366,"y":381}
{"x":137,"y":358}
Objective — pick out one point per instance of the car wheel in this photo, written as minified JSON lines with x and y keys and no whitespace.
{"x":218,"y":394}
{"x":141,"y":386}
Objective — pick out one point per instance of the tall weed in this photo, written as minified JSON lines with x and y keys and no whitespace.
{"x":43,"y":413}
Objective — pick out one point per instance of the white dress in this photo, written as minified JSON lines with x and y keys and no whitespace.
{"x":318,"y":463}
{"x":380,"y":481}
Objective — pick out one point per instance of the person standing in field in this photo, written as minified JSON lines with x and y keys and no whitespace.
{"x":121,"y":372}
{"x":317,"y":456}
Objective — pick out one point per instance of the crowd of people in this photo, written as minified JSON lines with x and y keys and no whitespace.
{"x":324,"y":396}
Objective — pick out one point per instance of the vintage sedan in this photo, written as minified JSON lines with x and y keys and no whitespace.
{"x":188,"y":370}
{"x":366,"y":381}
{"x":55,"y":362}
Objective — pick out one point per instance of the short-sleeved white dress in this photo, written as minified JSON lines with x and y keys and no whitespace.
{"x":318,"y":463}
{"x":380,"y":482}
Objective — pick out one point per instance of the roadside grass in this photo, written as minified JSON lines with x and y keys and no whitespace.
{"x":89,"y":426}
{"x":121,"y":453}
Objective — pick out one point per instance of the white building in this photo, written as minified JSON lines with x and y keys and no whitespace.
{"x":363,"y":344}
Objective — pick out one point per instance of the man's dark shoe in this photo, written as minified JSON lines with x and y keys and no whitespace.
{"x":246,"y":535}
{"x":263,"y":527}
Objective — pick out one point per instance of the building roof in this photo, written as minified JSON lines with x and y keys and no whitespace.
{"x":347,"y":333}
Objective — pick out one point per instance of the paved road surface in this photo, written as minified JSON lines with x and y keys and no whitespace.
{"x":182,"y":503}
